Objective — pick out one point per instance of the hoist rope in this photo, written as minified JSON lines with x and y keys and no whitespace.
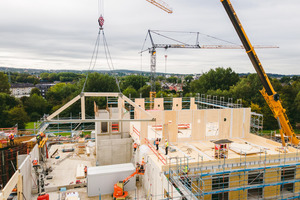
{"x":96,"y":47}
{"x":109,"y":60}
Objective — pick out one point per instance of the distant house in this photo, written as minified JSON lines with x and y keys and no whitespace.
{"x":19,"y":90}
{"x":44,"y":87}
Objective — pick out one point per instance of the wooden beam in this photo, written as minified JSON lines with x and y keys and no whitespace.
{"x":137,"y":107}
{"x":98,"y":120}
{"x":101,"y":94}
{"x":63,"y":107}
{"x":10,"y":185}
{"x":82,"y":107}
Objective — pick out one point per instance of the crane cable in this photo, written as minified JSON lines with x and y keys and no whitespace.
{"x":106,"y":49}
{"x":109,"y":60}
{"x":93,"y":60}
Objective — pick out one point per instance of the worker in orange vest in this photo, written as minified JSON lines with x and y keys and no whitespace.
{"x":135,"y":146}
{"x":85,"y":171}
{"x":35,"y":162}
{"x":11,"y":139}
{"x":142,"y":166}
{"x":157,"y":143}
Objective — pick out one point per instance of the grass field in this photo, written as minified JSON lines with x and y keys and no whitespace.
{"x":29,"y":125}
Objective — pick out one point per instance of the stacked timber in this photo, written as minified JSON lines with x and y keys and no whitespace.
{"x":81,"y":146}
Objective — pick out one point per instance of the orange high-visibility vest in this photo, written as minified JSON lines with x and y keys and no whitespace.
{"x":135,"y":145}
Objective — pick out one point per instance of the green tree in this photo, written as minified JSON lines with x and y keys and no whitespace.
{"x":136,"y":81}
{"x":160,"y":78}
{"x":219,"y":78}
{"x":248,"y":89}
{"x":4,"y":85}
{"x":131,"y":91}
{"x":172,"y":79}
{"x":35,"y":91}
{"x":60,"y":93}
{"x":101,"y":83}
{"x":7,"y":102}
{"x":17,"y":115}
{"x":145,"y":90}
{"x":188,"y":79}
{"x":34,"y":105}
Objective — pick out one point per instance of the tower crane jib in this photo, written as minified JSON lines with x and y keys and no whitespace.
{"x":162,"y":5}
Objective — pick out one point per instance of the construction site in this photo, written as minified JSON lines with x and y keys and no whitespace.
{"x":204,"y":148}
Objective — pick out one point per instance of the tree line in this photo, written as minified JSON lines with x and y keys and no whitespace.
{"x":219,"y":82}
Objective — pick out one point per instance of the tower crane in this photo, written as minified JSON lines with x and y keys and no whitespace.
{"x":179,"y":44}
{"x":268,"y":92}
{"x":162,"y":5}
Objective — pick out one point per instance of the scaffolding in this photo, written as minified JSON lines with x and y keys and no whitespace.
{"x":262,"y":177}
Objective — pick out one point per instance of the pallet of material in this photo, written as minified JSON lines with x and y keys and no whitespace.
{"x":80,"y":171}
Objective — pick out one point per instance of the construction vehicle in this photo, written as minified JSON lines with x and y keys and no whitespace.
{"x":119,"y":193}
{"x":268,"y":92}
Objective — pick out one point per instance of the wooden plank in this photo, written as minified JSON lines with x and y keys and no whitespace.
{"x":101,"y":94}
{"x":80,"y":171}
{"x":10,"y":185}
{"x":171,"y":120}
{"x":82,"y":107}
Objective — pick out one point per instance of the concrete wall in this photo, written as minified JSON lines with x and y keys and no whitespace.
{"x":114,"y":151}
{"x":25,"y":168}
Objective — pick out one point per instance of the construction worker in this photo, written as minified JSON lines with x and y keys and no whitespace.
{"x":35,"y":162}
{"x":85,"y":171}
{"x":142,"y":168}
{"x":11,"y":139}
{"x":135,"y":147}
{"x":186,"y":170}
{"x":157,"y":143}
{"x":166,"y":146}
{"x":38,"y":139}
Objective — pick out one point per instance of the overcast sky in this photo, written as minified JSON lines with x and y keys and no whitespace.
{"x":60,"y":34}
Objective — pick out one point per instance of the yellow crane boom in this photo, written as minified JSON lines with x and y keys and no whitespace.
{"x":268,"y":92}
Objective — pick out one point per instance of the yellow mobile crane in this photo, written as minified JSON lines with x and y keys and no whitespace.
{"x":268,"y":92}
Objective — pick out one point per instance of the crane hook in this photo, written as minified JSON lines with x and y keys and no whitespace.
{"x":101,"y":21}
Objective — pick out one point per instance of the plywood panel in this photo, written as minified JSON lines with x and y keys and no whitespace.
{"x":225,"y":123}
{"x":247,"y":118}
{"x":184,"y":116}
{"x":198,"y":130}
{"x":171,"y":120}
{"x":159,"y":104}
{"x":237,"y":123}
{"x":177,"y":104}
{"x":144,"y":129}
{"x":141,"y":103}
{"x":211,"y":125}
{"x":158,"y":115}
{"x":193,"y":106}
